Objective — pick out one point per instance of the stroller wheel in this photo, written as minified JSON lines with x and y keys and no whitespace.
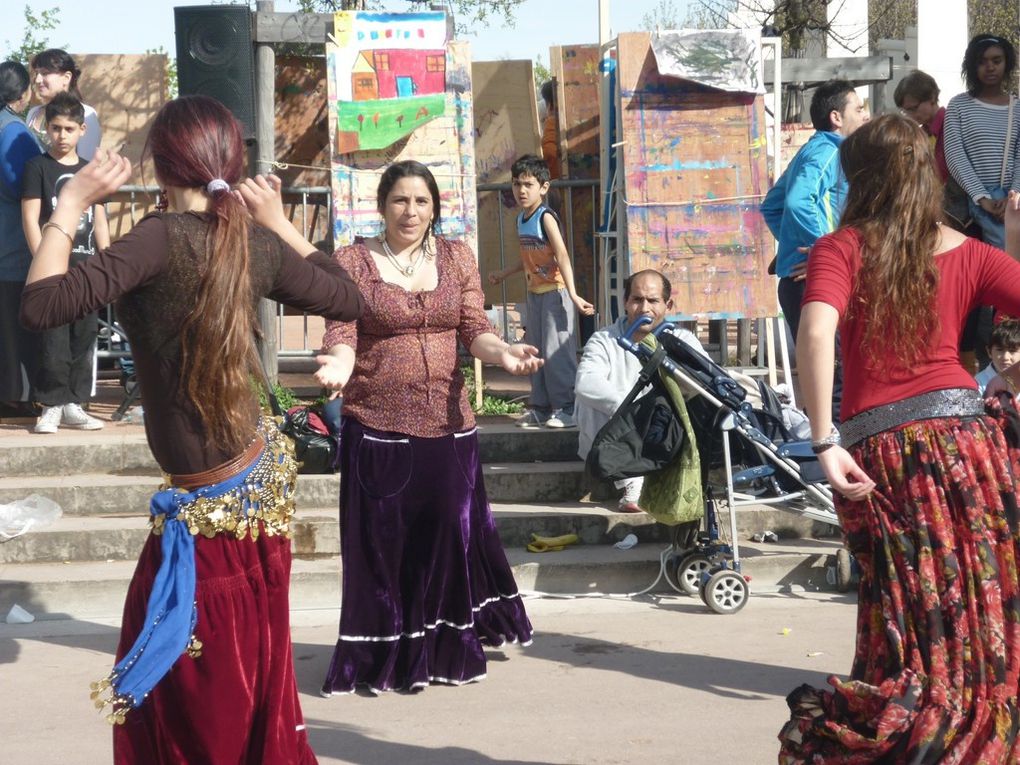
{"x":726,"y":592}
{"x":844,"y":570}
{"x":688,"y":572}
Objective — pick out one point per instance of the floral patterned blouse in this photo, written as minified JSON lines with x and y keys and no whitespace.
{"x":406,"y":376}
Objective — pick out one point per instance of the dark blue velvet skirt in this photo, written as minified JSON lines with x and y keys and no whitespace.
{"x":426,"y":583}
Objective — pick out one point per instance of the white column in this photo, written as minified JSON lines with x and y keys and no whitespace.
{"x":941,"y":41}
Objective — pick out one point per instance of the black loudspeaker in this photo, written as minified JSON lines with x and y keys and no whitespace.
{"x":215,"y":57}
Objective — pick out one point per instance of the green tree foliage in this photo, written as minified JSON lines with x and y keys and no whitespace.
{"x":172,"y":89}
{"x":664,"y":15}
{"x":35,"y":39}
{"x":541,"y":72}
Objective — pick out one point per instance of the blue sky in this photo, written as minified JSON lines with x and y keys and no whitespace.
{"x":133,"y":26}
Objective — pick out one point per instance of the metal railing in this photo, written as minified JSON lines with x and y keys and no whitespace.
{"x":569,"y":186}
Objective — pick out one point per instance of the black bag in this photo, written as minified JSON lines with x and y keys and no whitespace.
{"x":644,"y":434}
{"x":314,"y":447}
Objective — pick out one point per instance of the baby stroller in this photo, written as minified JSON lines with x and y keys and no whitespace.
{"x":776,"y":470}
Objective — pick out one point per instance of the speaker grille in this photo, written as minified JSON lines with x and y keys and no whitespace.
{"x":215,"y":57}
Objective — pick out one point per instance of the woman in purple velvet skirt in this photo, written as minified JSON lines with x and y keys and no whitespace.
{"x":425,"y":580}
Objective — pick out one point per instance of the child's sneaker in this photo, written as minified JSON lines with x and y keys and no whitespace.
{"x":561,"y":419}
{"x":49,"y":420}
{"x":531,"y":419}
{"x":74,"y":417}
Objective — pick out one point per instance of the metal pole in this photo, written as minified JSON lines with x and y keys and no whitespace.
{"x":265,"y":138}
{"x":605,"y":243}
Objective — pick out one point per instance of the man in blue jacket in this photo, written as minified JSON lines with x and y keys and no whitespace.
{"x":808,"y":198}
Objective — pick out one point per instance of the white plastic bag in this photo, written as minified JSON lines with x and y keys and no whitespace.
{"x":33,"y":512}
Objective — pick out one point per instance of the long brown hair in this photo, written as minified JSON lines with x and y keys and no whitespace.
{"x":895,"y":203}
{"x":193,"y":141}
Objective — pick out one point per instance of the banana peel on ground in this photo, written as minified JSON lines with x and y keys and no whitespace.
{"x":541,"y":544}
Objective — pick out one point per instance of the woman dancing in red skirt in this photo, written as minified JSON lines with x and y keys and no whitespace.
{"x":924,"y":473}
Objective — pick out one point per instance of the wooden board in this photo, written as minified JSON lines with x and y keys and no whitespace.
{"x":126,"y":91}
{"x":695,"y":171}
{"x":506,"y":126}
{"x":576,"y":71}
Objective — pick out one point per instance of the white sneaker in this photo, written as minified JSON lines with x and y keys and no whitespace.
{"x":74,"y":417}
{"x":561,"y":419}
{"x":49,"y":420}
{"x":631,"y":496}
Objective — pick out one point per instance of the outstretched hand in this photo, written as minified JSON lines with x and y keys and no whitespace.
{"x":261,"y":195}
{"x":331,"y":372}
{"x":520,"y":359}
{"x":100,"y":178}
{"x":845,"y":476}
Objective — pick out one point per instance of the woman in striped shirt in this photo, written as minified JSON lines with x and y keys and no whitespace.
{"x":982,"y":133}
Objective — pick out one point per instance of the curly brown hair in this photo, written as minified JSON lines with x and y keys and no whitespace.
{"x":894,"y":204}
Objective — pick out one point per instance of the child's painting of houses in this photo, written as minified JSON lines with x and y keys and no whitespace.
{"x":390,"y":76}
{"x":398,"y":89}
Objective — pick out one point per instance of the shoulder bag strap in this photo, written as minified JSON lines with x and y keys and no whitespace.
{"x":1009,"y":141}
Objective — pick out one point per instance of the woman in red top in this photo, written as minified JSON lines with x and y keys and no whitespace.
{"x":425,"y":580}
{"x":924,"y":478}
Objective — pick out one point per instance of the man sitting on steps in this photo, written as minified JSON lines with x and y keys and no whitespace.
{"x":607,"y":372}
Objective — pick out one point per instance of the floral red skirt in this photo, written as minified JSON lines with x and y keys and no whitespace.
{"x":937,"y":665}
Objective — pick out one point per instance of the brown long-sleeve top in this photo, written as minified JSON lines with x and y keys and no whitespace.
{"x":406,"y":378}
{"x":153,"y":274}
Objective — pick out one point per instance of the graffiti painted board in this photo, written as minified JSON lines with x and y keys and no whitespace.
{"x":695,"y":171}
{"x":443,"y":141}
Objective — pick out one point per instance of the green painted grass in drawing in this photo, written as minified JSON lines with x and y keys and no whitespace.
{"x":380,"y":123}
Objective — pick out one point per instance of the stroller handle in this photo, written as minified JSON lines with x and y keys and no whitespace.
{"x":627,"y":340}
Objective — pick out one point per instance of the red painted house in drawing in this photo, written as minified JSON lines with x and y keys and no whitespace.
{"x":398,"y":73}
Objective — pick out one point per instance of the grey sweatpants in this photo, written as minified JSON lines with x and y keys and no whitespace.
{"x":549,"y":326}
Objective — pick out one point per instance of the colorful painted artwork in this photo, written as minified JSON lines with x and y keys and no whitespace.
{"x":443,"y":141}
{"x":727,"y":59}
{"x":390,"y":74}
{"x":695,"y":171}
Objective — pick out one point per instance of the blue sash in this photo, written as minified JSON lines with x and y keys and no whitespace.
{"x":171,"y":613}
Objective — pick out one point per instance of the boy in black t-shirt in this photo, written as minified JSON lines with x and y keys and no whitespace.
{"x":65,"y":374}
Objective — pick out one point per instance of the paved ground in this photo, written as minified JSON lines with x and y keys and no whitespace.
{"x":606,"y":682}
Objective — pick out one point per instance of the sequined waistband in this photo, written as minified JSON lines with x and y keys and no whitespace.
{"x":950,"y":402}
{"x":263,"y":502}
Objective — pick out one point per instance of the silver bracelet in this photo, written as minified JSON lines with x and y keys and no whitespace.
{"x":827,"y":442}
{"x":58,"y":227}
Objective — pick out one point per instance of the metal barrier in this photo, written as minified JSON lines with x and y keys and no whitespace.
{"x":569,"y":186}
{"x":309,"y":208}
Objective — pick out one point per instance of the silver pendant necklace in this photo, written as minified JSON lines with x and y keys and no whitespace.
{"x":410,"y":268}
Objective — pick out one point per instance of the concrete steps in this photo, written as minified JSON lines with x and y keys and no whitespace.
{"x":107,"y":451}
{"x":81,"y":565}
{"x":97,"y":589}
{"x":316,"y":531}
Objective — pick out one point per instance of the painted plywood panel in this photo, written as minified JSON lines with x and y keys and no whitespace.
{"x":444,"y":143}
{"x":506,"y":126}
{"x":695,"y":171}
{"x":126,"y":91}
{"x":576,"y":71}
